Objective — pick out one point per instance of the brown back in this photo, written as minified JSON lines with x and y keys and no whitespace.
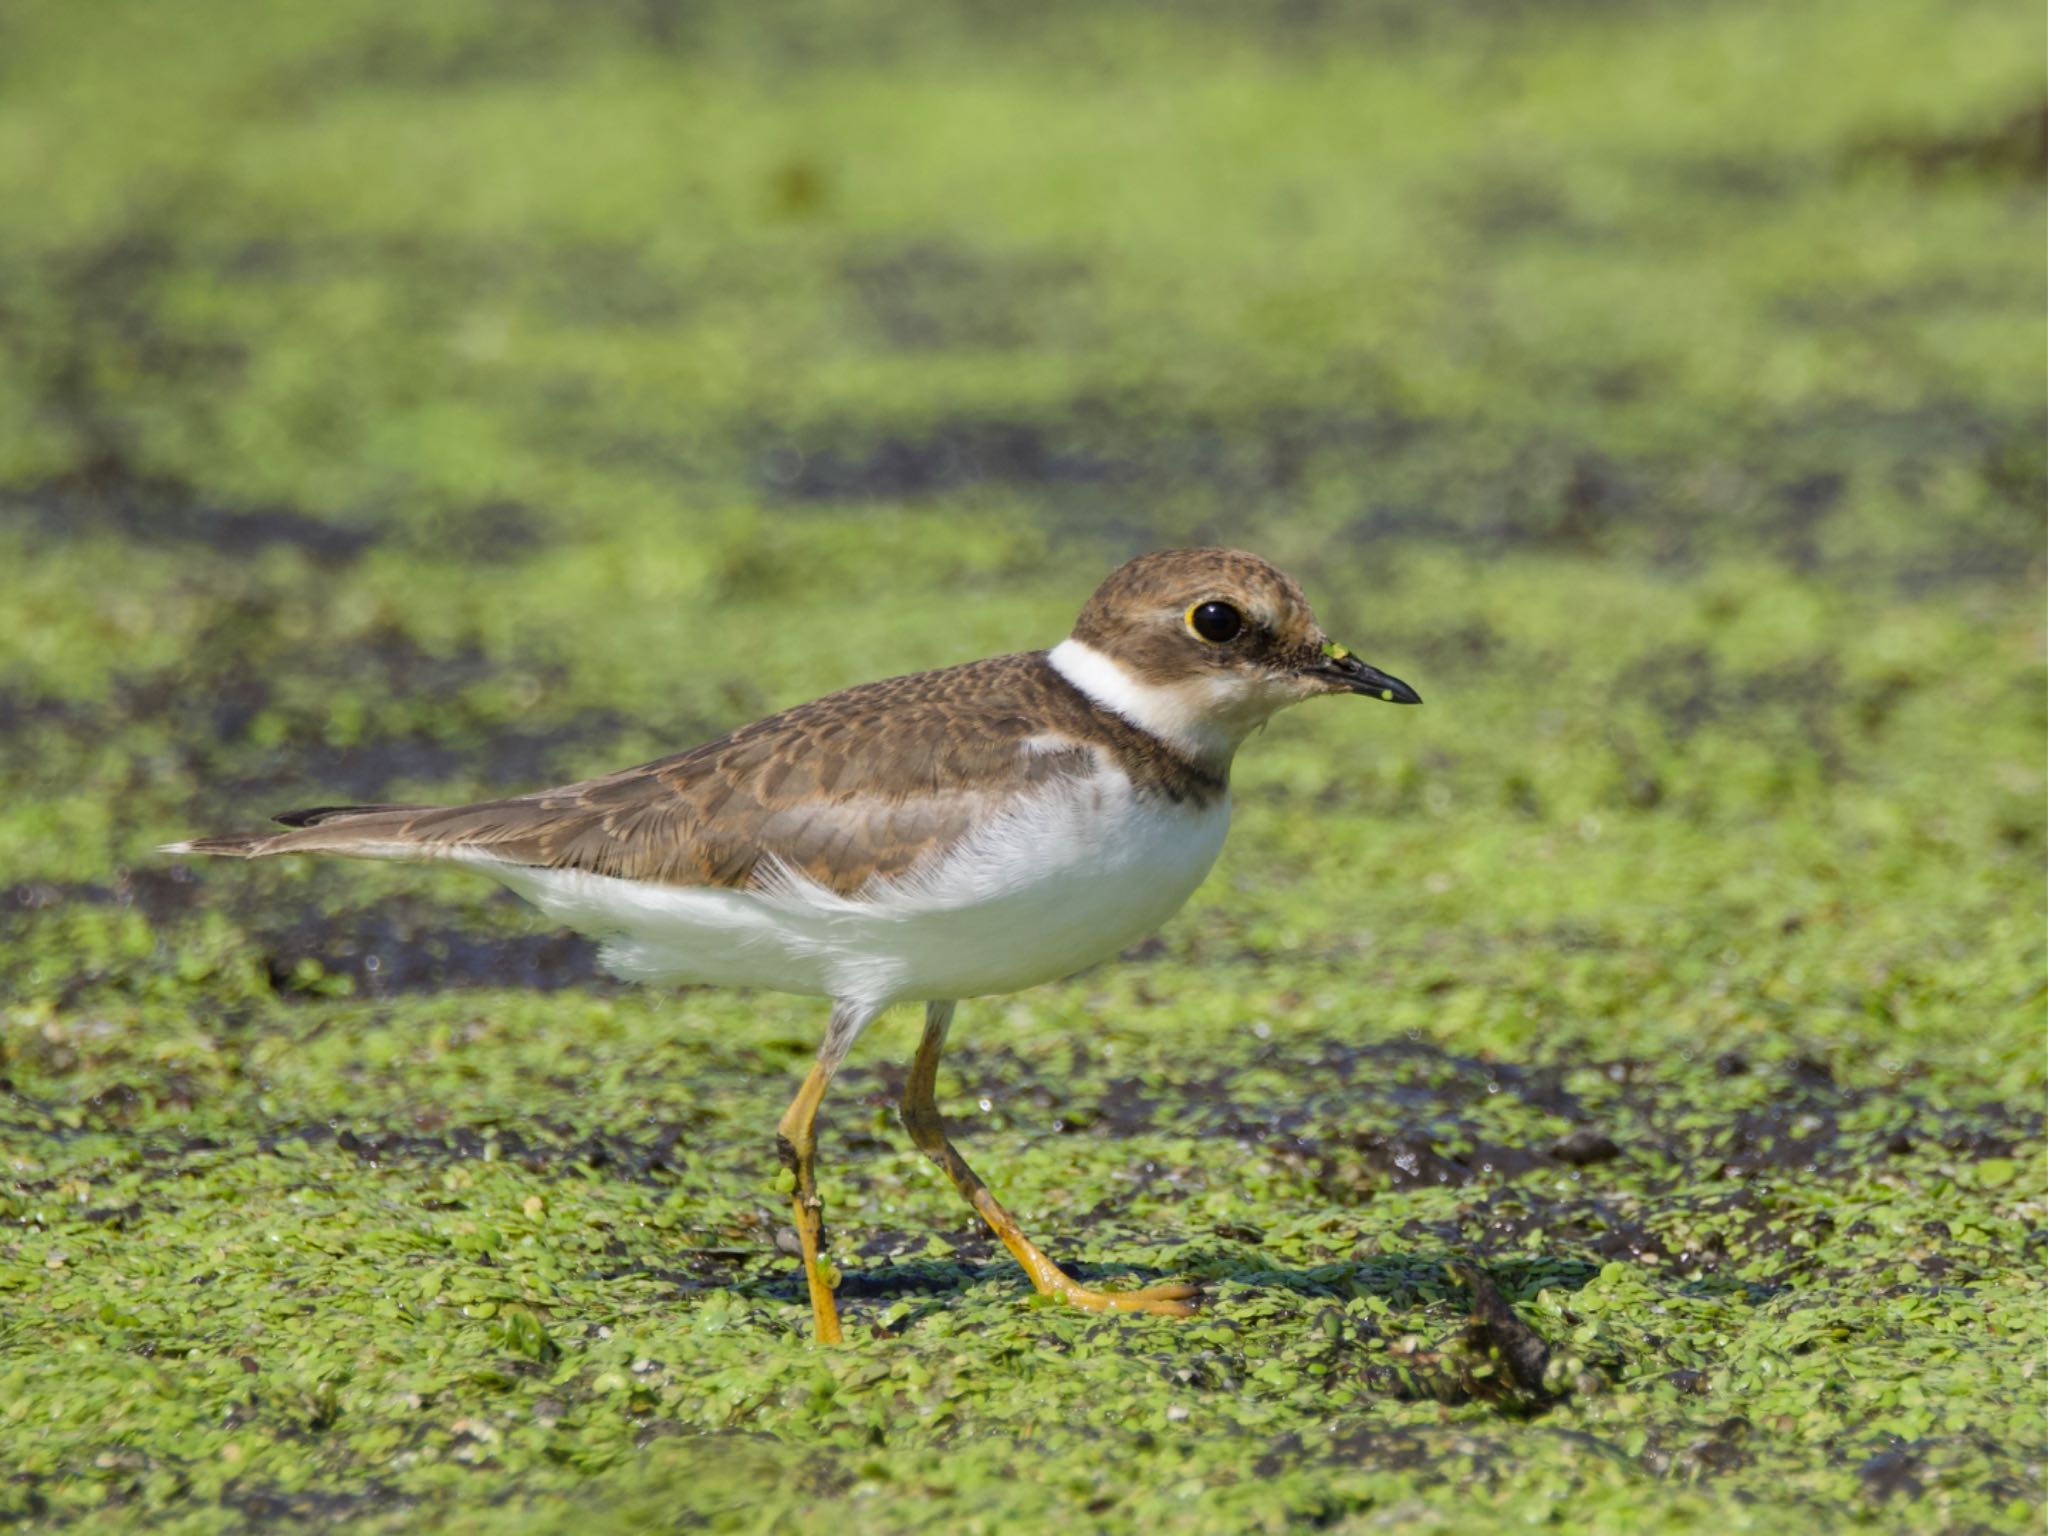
{"x":852,"y":787}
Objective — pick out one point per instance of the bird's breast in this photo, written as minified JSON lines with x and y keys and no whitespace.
{"x":1068,"y":876}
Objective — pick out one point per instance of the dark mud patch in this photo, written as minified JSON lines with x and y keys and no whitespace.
{"x":605,"y":285}
{"x":936,"y":296}
{"x":1584,"y":1147}
{"x":1402,"y":1113}
{"x":928,"y":460}
{"x":1753,"y":179}
{"x":938,"y":1280}
{"x":98,"y":339}
{"x":403,"y":946}
{"x":645,"y":1156}
{"x":392,"y":56}
{"x":599,"y":284}
{"x":1364,"y":1160}
{"x":1122,"y":470}
{"x":496,"y":760}
{"x":518,"y":44}
{"x":1498,"y":206}
{"x":1801,"y":704}
{"x":268,"y":1507}
{"x":161,"y":895}
{"x":261,"y":719}
{"x":1403,"y":1451}
{"x":1893,"y":1473}
{"x":1632,"y":1171}
{"x":1128,"y":474}
{"x":2012,"y":148}
{"x":1593,"y":1225}
{"x":109,"y":497}
{"x":485,"y":533}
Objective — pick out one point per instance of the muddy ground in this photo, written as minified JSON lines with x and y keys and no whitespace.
{"x":1609,"y":1097}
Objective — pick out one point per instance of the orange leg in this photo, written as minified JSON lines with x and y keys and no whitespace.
{"x":796,"y":1139}
{"x":921,"y":1118}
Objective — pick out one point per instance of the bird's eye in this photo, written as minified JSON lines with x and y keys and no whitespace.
{"x":1215,"y":622}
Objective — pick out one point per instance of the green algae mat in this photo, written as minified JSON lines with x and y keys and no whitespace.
{"x":1608,"y":1098}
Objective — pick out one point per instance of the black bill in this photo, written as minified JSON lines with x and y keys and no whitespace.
{"x":1355,"y":676}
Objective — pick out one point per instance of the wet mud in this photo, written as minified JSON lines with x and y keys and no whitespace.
{"x":108,"y":497}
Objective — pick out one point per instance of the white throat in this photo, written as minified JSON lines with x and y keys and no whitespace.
{"x":1205,"y":718}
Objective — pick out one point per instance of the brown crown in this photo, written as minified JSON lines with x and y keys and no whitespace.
{"x":1136,"y":614}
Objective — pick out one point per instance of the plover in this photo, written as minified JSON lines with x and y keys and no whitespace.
{"x":974,"y":830}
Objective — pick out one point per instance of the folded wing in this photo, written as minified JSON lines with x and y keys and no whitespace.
{"x":854,"y":787}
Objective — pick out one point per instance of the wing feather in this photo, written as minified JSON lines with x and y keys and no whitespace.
{"x":851,"y":788}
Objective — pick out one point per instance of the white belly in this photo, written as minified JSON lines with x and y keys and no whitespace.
{"x":1066,"y":879}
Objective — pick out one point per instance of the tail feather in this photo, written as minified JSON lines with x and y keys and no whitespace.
{"x":351,"y":831}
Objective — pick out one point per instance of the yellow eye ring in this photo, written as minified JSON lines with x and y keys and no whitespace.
{"x":1213,"y":622}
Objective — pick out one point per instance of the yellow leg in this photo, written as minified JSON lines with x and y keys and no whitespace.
{"x":921,"y":1118}
{"x":796,"y":1140}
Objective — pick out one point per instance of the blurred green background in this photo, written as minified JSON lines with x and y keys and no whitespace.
{"x":406,"y":402}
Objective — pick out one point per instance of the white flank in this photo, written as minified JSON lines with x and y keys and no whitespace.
{"x":1069,"y":876}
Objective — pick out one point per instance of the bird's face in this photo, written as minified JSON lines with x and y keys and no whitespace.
{"x":1216,"y":641}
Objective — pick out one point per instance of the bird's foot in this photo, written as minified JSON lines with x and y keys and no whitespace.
{"x":1171,"y":1300}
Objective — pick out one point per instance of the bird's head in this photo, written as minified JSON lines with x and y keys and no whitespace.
{"x":1203,"y":646}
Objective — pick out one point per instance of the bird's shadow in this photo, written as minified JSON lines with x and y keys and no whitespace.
{"x":1494,"y":1356}
{"x":1413,"y":1278}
